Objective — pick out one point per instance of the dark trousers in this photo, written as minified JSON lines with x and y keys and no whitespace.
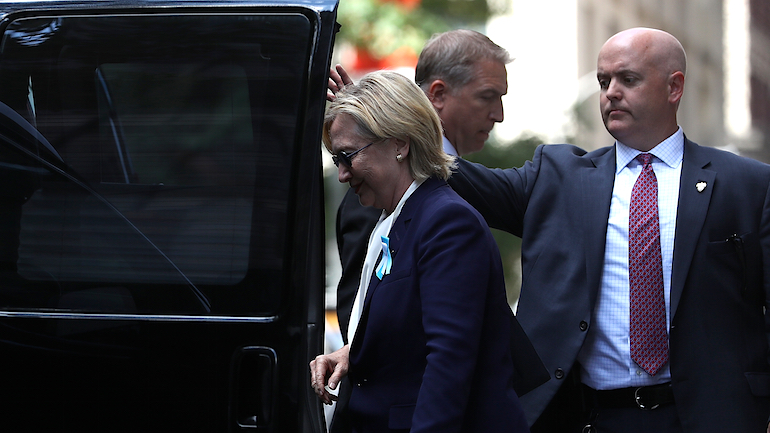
{"x":341,"y":419}
{"x":572,"y":410}
{"x":634,"y":420}
{"x":567,"y":412}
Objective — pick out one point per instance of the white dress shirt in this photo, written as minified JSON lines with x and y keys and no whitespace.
{"x":605,"y":357}
{"x":449,"y":149}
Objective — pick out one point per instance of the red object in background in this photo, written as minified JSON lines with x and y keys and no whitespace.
{"x":363,"y":61}
{"x":408,"y":4}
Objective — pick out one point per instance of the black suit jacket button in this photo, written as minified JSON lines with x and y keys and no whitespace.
{"x":583,"y":325}
{"x":559,"y":373}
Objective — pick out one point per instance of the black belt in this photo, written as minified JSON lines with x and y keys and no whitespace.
{"x":643,"y":397}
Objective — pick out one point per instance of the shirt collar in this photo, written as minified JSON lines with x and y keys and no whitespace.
{"x":670,"y":151}
{"x":449,"y":149}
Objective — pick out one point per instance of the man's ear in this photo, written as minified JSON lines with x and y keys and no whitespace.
{"x":437,"y":92}
{"x":676,"y":87}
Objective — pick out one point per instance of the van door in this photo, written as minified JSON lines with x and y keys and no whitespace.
{"x":161,"y":246}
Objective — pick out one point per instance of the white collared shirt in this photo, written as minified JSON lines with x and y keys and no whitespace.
{"x":605,"y":356}
{"x":449,"y":148}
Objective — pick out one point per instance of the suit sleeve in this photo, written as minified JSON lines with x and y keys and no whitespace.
{"x":765,"y":241}
{"x":500,"y":195}
{"x":457,"y":256}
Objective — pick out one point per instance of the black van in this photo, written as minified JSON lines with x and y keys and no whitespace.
{"x":161,"y":225}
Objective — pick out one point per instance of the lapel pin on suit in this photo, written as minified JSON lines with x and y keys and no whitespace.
{"x":700,"y":186}
{"x":387,"y":260}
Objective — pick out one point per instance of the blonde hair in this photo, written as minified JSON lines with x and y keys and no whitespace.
{"x":385,"y":104}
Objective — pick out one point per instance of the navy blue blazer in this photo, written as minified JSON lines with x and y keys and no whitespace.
{"x":432,"y":350}
{"x":559,"y":204}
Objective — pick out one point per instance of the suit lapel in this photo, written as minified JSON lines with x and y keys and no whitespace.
{"x":691,"y":215}
{"x":597,"y":182}
{"x":397,"y":237}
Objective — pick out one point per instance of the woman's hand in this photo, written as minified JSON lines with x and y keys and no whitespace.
{"x":334,"y":366}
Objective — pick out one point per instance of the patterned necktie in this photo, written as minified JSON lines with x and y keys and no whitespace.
{"x":649,"y":340}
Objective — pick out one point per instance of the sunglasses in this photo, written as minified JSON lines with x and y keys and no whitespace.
{"x":347,"y":158}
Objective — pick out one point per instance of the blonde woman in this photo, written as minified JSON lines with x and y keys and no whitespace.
{"x":430,"y":328}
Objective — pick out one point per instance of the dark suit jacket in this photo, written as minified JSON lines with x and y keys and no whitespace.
{"x":432,"y":350}
{"x":559,"y":204}
{"x":355,"y":223}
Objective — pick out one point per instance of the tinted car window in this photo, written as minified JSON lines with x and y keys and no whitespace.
{"x":161,"y":180}
{"x":161,"y":214}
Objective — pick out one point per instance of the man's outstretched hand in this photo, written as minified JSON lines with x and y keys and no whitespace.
{"x":338,"y":78}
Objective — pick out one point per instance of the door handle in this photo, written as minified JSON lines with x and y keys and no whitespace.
{"x":253,"y":388}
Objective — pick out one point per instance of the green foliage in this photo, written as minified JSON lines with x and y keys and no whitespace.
{"x":468,"y":12}
{"x":381,"y":27}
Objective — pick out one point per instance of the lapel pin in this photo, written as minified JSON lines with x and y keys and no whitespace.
{"x":700,"y":186}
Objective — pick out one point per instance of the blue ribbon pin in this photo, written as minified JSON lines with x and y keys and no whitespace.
{"x":383,"y":268}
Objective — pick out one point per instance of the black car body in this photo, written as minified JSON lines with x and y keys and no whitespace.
{"x":161,"y":214}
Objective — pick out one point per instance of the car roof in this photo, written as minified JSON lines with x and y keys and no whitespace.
{"x":9,"y":7}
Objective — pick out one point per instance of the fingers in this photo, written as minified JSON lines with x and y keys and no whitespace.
{"x":335,"y":78}
{"x":318,"y":373}
{"x":334,"y":85}
{"x":327,"y":397}
{"x":343,"y":75}
{"x":330,"y":96}
{"x":337,"y":365}
{"x":319,"y":367}
{"x":335,"y":378}
{"x":338,"y":78}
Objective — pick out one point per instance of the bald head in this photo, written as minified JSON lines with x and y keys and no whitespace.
{"x":641,"y":74}
{"x":658,"y":46}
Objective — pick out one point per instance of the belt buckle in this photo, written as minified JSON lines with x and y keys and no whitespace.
{"x":640,"y":403}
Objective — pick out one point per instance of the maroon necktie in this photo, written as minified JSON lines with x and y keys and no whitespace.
{"x":649,"y":340}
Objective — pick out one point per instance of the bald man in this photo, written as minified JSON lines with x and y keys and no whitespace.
{"x":644,"y":287}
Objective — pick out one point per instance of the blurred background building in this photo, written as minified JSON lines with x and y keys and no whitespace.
{"x":553,"y":81}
